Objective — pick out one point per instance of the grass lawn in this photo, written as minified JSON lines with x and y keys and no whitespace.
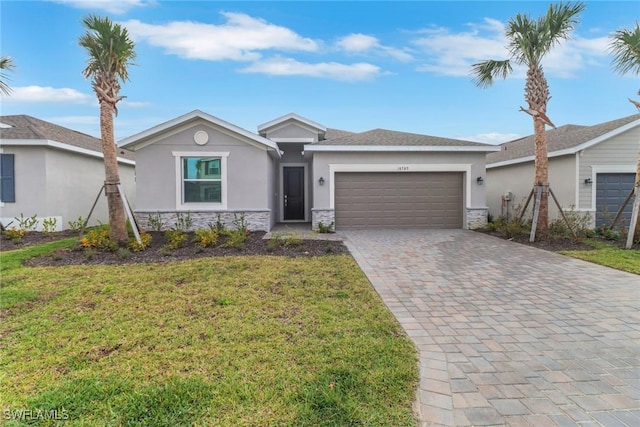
{"x":226,"y":341}
{"x":13,"y":259}
{"x":609,"y":255}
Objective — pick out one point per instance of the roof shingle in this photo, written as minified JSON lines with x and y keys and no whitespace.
{"x":27,"y":127}
{"x":562,"y":138}
{"x":390,"y":137}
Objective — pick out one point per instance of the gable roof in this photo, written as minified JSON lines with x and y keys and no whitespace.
{"x":567,"y":139}
{"x":23,"y":128}
{"x":389,"y":140}
{"x":134,"y":141}
{"x":294,"y":117}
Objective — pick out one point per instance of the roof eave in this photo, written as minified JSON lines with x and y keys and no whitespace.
{"x":133,"y":141}
{"x":400,"y":148}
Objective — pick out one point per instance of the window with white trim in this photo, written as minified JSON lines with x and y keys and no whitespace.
{"x":201,"y":179}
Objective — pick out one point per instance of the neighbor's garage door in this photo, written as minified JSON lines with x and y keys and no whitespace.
{"x":611,"y":191}
{"x":390,"y":199}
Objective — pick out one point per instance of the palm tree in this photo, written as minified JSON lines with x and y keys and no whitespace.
{"x":529,"y":41}
{"x":110,"y":51}
{"x":625,"y":47}
{"x":6,"y":63}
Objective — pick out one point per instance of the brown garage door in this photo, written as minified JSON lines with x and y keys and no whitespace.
{"x":390,"y":199}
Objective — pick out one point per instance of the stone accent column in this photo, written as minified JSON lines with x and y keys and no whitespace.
{"x":325,"y":216}
{"x":476,"y":217}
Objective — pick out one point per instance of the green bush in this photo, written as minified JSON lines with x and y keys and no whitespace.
{"x":98,"y":238}
{"x":206,"y":237}
{"x":175,"y":238}
{"x":324,"y":229}
{"x":145,"y":241}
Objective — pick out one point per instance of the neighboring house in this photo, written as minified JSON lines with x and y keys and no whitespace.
{"x":591,"y":169}
{"x":54,"y":172}
{"x":297,"y":170}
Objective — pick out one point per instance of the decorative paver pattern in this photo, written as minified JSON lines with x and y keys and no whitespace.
{"x":509,"y":335}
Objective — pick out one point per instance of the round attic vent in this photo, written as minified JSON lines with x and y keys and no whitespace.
{"x":201,"y":137}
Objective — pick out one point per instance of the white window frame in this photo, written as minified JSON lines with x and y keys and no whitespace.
{"x":180,"y":205}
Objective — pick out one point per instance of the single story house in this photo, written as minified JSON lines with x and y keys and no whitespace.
{"x":296,"y":170}
{"x":54,"y":172}
{"x":591,"y":170}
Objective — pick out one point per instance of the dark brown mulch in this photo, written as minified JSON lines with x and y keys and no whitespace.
{"x":255,"y":245}
{"x":554,"y":244}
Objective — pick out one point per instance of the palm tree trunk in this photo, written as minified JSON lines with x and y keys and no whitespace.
{"x":541,"y":165}
{"x":117,"y":222}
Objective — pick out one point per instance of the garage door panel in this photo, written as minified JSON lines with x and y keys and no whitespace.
{"x":388,"y":200}
{"x":611,"y":191}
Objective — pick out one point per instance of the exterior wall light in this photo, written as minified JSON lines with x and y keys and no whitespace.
{"x":479,"y":180}
{"x":321,"y":181}
{"x":588,"y":181}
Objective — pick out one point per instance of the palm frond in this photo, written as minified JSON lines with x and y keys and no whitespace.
{"x":110,"y":49}
{"x":625,"y":47}
{"x":6,"y":63}
{"x":486,"y":72}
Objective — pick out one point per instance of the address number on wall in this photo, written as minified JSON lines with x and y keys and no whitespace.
{"x":403,"y":168}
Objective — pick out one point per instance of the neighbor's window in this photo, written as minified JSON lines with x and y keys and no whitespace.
{"x":202,"y":179}
{"x":7,"y":178}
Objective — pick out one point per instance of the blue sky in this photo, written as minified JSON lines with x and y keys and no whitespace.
{"x":347,"y":65}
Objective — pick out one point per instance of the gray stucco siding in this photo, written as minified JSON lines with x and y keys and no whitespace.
{"x":30,"y":182}
{"x":618,"y":154}
{"x":61,"y":184}
{"x":518,"y":180}
{"x":248,"y":169}
{"x":291,"y":130}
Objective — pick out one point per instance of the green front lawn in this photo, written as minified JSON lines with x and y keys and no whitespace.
{"x":609,"y":255}
{"x":225,"y":341}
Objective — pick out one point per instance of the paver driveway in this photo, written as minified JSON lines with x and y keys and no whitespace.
{"x":509,"y":334}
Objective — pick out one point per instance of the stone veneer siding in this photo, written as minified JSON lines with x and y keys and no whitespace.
{"x":325,"y":216}
{"x":476,"y":217}
{"x":255,"y":220}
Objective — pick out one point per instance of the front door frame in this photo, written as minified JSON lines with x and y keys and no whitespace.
{"x":306,"y":191}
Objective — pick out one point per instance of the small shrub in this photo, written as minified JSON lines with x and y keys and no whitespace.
{"x":98,"y":238}
{"x":136,"y":246}
{"x":123,"y":253}
{"x":325,"y":229}
{"x":206,"y":237}
{"x":183,"y":222}
{"x":14,"y":234}
{"x":275,"y":241}
{"x":156,"y":223}
{"x":219,"y":226}
{"x":90,"y":253}
{"x":606,"y":232}
{"x":292,"y":240}
{"x":76,"y":226}
{"x":235,"y":239}
{"x":240,"y":222}
{"x":49,"y":226}
{"x":175,"y":238}
{"x":27,"y":223}
{"x":165,"y":250}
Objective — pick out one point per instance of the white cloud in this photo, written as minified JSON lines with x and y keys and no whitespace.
{"x":46,"y":94}
{"x":116,"y":7}
{"x":362,"y":43}
{"x":134,"y":104}
{"x":453,"y":53}
{"x":357,"y":43}
{"x":494,"y":138}
{"x":241,"y":38}
{"x":328,"y":70}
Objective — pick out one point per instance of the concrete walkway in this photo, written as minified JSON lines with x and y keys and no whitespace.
{"x":508,"y":334}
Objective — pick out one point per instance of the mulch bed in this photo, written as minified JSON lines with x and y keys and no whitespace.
{"x":551,"y":244}
{"x":255,"y":245}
